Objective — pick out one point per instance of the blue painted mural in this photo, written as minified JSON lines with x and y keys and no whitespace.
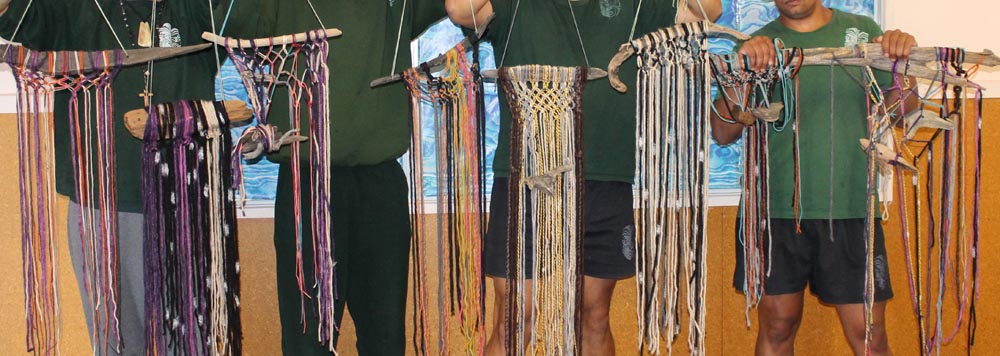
{"x":744,"y":15}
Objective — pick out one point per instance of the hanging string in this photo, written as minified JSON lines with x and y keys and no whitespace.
{"x":578,"y":35}
{"x":399,"y":36}
{"x":92,"y":149}
{"x":112,"y":28}
{"x":190,"y":243}
{"x":263,"y":70}
{"x":753,"y":91}
{"x":673,"y":106}
{"x":547,"y":158}
{"x":460,"y":199}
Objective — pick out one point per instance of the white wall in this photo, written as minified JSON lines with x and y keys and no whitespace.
{"x":970,"y":24}
{"x":8,"y":91}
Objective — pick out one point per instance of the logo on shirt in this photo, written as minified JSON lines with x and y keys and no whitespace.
{"x":611,"y":8}
{"x":855,"y":37}
{"x":169,"y":36}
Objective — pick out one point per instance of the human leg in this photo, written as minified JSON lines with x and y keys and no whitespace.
{"x":299,"y":334}
{"x":597,"y":338}
{"x":377,"y":256}
{"x":778,"y":317}
{"x":131,"y":289}
{"x":840,"y":280}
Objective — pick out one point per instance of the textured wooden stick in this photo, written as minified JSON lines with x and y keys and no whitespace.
{"x":80,"y":62}
{"x":592,"y":73}
{"x":237,"y":110}
{"x":265,"y":42}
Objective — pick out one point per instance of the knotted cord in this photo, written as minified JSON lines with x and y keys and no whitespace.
{"x":93,"y":157}
{"x":456,"y":95}
{"x":674,"y":95}
{"x":753,"y":91}
{"x":190,"y":238}
{"x":301,"y":68}
{"x":546,"y":137}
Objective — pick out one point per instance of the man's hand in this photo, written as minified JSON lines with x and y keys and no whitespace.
{"x":761,"y":51}
{"x":896,"y":44}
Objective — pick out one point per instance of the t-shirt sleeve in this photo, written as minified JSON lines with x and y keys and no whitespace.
{"x":654,"y":15}
{"x":502,"y":12}
{"x":426,"y":13}
{"x":40,"y":20}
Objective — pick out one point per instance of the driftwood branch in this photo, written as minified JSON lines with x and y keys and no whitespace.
{"x":437,"y":63}
{"x":238,"y":112}
{"x":629,"y":49}
{"x":920,"y":61}
{"x":271,"y":41}
{"x":89,"y":62}
{"x":592,"y":73}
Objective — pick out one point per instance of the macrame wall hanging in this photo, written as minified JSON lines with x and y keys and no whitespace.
{"x":88,"y":76}
{"x":945,"y":204}
{"x":751,"y":92}
{"x":939,"y":208}
{"x":297,"y":63}
{"x":672,"y":163}
{"x":190,"y":245}
{"x":456,"y":95}
{"x":545,"y":196}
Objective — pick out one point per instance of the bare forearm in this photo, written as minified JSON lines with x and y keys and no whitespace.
{"x":693,"y":10}
{"x":468,"y":13}
{"x":725,"y":130}
{"x":4,"y":4}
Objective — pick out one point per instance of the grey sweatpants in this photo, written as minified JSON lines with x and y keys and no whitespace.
{"x":131,"y":288}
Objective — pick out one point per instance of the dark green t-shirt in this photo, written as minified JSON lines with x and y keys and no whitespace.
{"x":369,"y":126}
{"x":833,"y":165}
{"x":544,"y":33}
{"x":57,"y":25}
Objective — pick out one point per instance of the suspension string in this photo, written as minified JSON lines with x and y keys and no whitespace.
{"x":399,"y":36}
{"x":108,"y":22}
{"x":578,"y":35}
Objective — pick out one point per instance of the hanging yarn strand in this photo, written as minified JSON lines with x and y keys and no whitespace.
{"x":301,"y":68}
{"x":455,"y":97}
{"x":190,"y":241}
{"x":942,"y":242}
{"x":38,"y":76}
{"x":754,"y":228}
{"x":672,"y":181}
{"x":547,"y":161}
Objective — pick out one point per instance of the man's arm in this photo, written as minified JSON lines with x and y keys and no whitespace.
{"x":467,"y":13}
{"x":725,"y":130}
{"x":4,"y":4}
{"x":896,"y":45}
{"x":693,"y":11}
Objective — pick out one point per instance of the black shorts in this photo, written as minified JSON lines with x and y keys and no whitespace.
{"x":833,"y":267}
{"x":608,"y":243}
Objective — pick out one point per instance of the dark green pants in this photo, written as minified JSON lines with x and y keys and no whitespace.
{"x":371,"y":234}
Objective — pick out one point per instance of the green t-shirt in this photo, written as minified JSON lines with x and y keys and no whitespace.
{"x":833,"y":165}
{"x":368,"y":125}
{"x":544,"y":33}
{"x":57,"y":25}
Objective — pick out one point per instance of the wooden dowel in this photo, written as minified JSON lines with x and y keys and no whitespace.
{"x":237,"y":110}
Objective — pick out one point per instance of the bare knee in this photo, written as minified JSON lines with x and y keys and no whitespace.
{"x":779,"y":318}
{"x":779,"y":329}
{"x":596,"y":318}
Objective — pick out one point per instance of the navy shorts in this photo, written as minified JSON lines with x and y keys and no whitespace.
{"x":833,"y":265}
{"x":608,"y":243}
